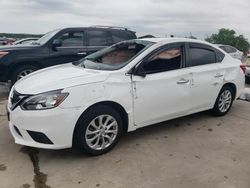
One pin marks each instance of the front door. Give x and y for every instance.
(164, 92)
(73, 48)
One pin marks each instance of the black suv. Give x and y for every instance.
(57, 47)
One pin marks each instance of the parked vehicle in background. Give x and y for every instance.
(248, 69)
(235, 53)
(7, 41)
(57, 47)
(3, 41)
(132, 84)
(25, 41)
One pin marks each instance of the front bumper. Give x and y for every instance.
(3, 74)
(56, 124)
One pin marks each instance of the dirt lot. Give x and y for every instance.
(198, 151)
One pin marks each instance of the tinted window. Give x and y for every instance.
(166, 60)
(223, 48)
(99, 38)
(119, 35)
(72, 39)
(231, 49)
(220, 56)
(201, 56)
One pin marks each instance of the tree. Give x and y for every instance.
(229, 37)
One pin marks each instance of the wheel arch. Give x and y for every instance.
(233, 86)
(20, 64)
(116, 106)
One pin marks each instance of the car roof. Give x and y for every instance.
(99, 27)
(223, 45)
(171, 40)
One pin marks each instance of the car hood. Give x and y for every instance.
(58, 77)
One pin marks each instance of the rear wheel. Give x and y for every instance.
(248, 79)
(21, 72)
(224, 101)
(98, 130)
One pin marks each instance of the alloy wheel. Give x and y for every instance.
(101, 132)
(225, 101)
(24, 73)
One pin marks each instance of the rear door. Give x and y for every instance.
(97, 39)
(119, 35)
(207, 78)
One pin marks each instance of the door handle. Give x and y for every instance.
(81, 53)
(218, 75)
(183, 81)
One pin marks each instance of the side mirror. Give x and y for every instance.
(56, 43)
(137, 72)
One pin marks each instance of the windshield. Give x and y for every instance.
(116, 56)
(46, 37)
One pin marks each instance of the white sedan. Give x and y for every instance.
(89, 104)
(234, 52)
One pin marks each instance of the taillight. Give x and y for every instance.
(243, 68)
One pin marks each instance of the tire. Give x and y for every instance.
(90, 122)
(21, 72)
(247, 79)
(225, 98)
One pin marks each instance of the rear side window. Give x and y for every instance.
(119, 35)
(220, 56)
(201, 56)
(99, 38)
(230, 49)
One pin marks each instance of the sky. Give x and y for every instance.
(157, 17)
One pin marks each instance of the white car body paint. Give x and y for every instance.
(147, 100)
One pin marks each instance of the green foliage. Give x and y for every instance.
(19, 35)
(229, 37)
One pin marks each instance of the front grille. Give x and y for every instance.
(15, 99)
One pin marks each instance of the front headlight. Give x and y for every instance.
(44, 101)
(3, 54)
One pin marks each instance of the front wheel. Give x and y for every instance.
(224, 101)
(98, 130)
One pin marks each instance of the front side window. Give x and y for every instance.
(116, 56)
(201, 56)
(167, 60)
(71, 39)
